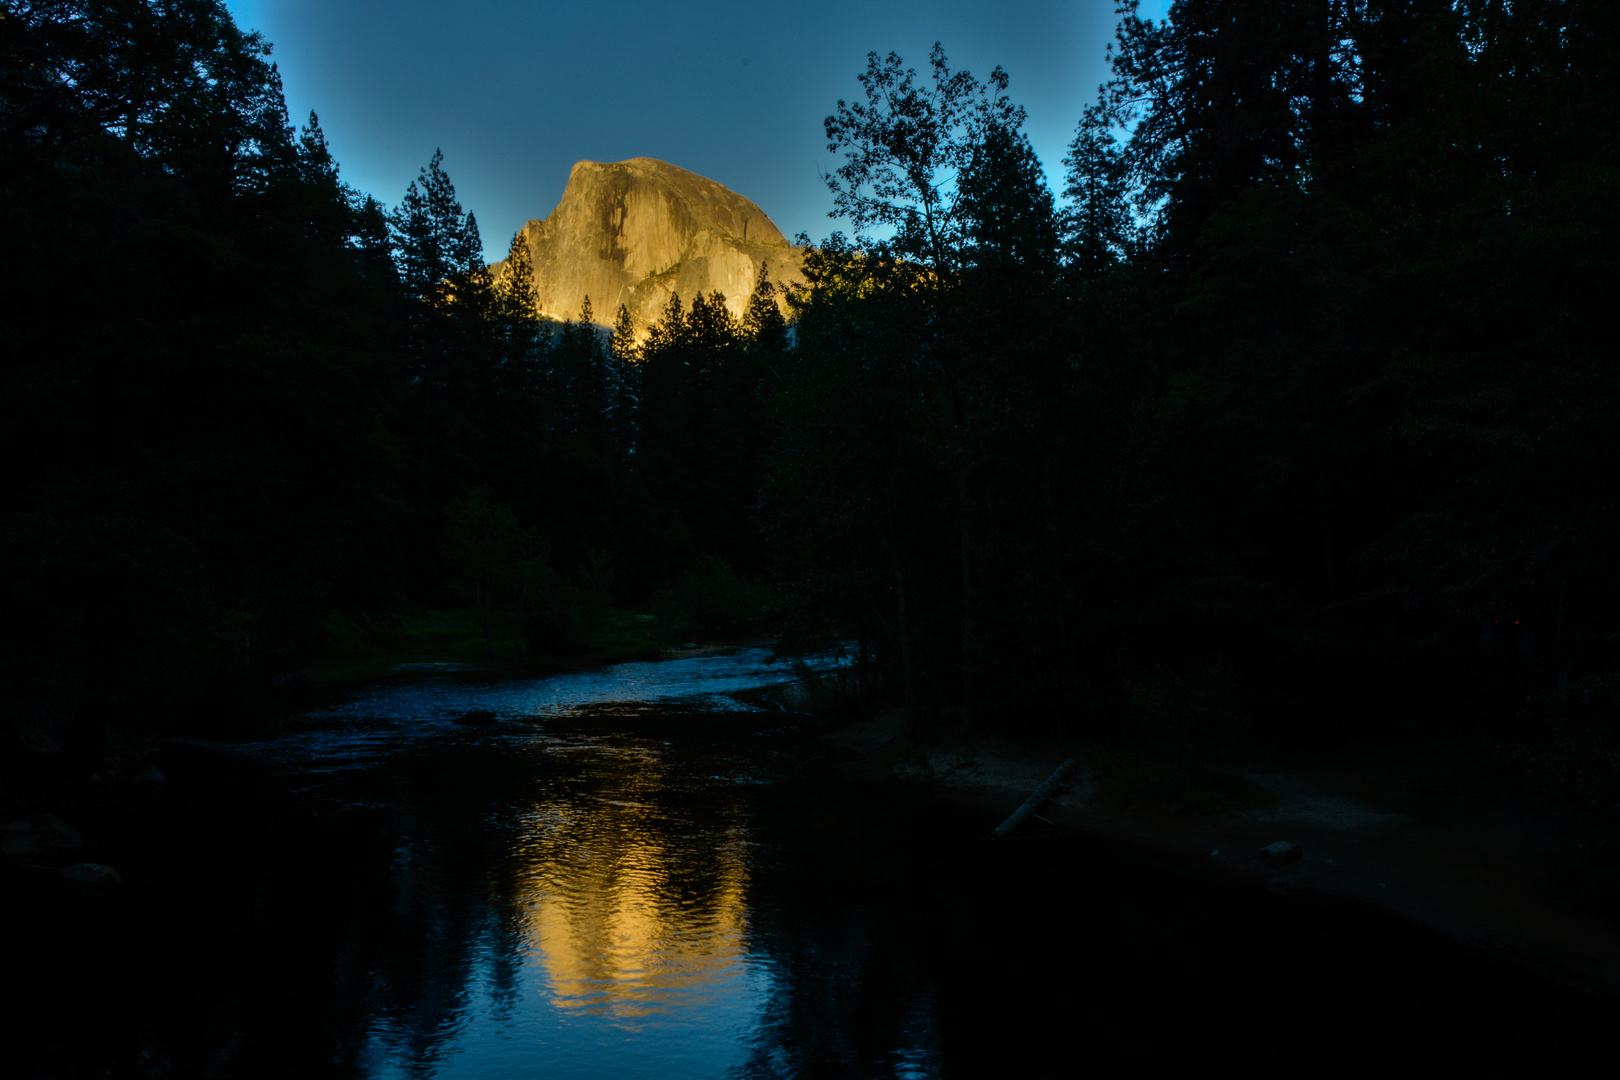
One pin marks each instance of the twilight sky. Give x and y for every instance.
(516, 91)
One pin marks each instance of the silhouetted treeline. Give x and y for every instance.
(240, 397)
(194, 385)
(705, 426)
(1297, 406)
(1290, 403)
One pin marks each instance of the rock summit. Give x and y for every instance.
(636, 232)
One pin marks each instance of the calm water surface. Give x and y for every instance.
(638, 873)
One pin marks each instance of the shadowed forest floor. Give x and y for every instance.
(1426, 829)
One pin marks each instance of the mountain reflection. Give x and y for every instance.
(584, 901)
(624, 908)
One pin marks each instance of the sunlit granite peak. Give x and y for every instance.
(634, 232)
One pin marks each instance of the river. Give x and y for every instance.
(644, 871)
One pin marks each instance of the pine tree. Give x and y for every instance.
(315, 159)
(595, 389)
(373, 243)
(1097, 223)
(624, 357)
(763, 326)
(515, 303)
(1223, 95)
(518, 296)
(1006, 206)
(664, 447)
(623, 345)
(435, 243)
(668, 332)
(473, 291)
(454, 341)
(145, 549)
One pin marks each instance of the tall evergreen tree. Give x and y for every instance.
(200, 463)
(522, 367)
(623, 344)
(1007, 207)
(1097, 224)
(1224, 94)
(436, 244)
(517, 287)
(452, 346)
(947, 167)
(763, 325)
(623, 356)
(314, 155)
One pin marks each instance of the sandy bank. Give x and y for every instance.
(1423, 830)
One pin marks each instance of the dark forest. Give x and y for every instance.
(1277, 429)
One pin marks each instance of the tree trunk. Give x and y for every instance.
(1561, 635)
(1042, 795)
(1324, 512)
(904, 623)
(969, 675)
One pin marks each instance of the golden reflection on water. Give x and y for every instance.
(628, 905)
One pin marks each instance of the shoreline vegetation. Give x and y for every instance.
(454, 639)
(1447, 832)
(71, 789)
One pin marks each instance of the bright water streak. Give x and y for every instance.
(368, 727)
(697, 680)
(618, 939)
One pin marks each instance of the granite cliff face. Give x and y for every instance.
(637, 231)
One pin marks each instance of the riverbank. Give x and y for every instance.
(1428, 829)
(360, 651)
(62, 804)
(628, 875)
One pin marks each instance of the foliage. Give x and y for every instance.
(1098, 225)
(191, 405)
(562, 615)
(436, 244)
(1307, 369)
(484, 546)
(1592, 880)
(712, 600)
(703, 429)
(1576, 763)
(1182, 713)
(1295, 378)
(906, 149)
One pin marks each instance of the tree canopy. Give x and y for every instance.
(1293, 390)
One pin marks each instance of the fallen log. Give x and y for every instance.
(1042, 795)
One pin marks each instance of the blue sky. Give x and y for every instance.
(516, 92)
